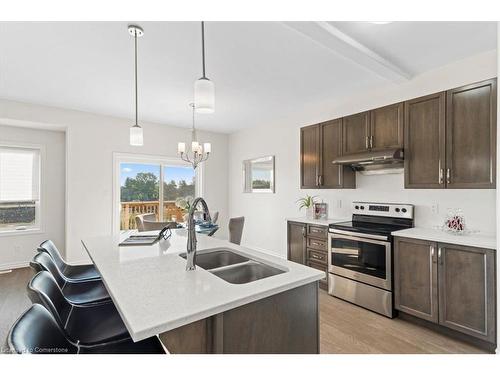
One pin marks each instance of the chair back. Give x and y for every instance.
(139, 220)
(51, 249)
(43, 289)
(44, 262)
(236, 229)
(36, 332)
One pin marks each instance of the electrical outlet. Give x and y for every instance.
(435, 208)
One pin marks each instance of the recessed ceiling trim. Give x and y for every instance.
(342, 44)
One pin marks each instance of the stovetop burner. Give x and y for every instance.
(377, 218)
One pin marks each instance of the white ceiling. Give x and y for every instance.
(261, 70)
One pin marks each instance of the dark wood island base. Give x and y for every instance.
(285, 323)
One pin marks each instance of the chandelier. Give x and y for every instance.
(198, 153)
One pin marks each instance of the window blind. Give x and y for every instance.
(19, 174)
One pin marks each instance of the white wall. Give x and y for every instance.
(17, 249)
(91, 140)
(265, 214)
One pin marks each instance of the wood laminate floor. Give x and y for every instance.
(13, 300)
(344, 328)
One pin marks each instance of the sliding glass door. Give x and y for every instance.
(153, 186)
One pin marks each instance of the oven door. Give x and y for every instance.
(360, 258)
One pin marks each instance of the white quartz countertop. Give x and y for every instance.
(154, 293)
(324, 222)
(484, 240)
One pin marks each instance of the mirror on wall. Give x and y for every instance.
(258, 175)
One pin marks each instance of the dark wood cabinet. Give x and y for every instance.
(449, 141)
(332, 176)
(415, 278)
(467, 290)
(450, 138)
(309, 157)
(471, 136)
(424, 141)
(355, 131)
(308, 244)
(296, 240)
(386, 127)
(320, 144)
(451, 285)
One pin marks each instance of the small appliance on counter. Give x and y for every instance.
(360, 254)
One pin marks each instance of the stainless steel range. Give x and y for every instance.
(360, 254)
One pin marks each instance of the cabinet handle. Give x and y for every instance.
(448, 175)
(320, 180)
(303, 231)
(441, 172)
(439, 256)
(367, 142)
(432, 251)
(371, 141)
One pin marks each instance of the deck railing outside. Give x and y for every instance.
(129, 210)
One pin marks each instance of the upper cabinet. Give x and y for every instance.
(309, 157)
(373, 130)
(471, 136)
(320, 144)
(386, 127)
(449, 141)
(356, 129)
(450, 138)
(424, 142)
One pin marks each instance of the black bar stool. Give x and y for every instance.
(37, 332)
(87, 324)
(78, 293)
(68, 271)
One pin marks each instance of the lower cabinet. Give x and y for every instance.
(296, 240)
(451, 285)
(308, 245)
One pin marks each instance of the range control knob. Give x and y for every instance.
(362, 207)
(356, 207)
(403, 210)
(396, 209)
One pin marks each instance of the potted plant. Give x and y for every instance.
(307, 202)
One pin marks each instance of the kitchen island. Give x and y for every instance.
(199, 311)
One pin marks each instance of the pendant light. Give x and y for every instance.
(198, 153)
(204, 89)
(136, 133)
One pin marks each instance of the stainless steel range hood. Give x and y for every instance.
(374, 162)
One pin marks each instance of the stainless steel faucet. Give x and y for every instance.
(191, 242)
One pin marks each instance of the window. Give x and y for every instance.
(19, 188)
(152, 186)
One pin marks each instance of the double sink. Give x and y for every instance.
(232, 267)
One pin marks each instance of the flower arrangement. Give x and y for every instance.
(455, 222)
(184, 203)
(307, 202)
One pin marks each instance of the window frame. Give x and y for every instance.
(38, 227)
(119, 158)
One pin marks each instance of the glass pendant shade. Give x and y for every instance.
(136, 136)
(204, 96)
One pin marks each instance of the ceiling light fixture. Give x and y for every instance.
(198, 153)
(204, 89)
(136, 133)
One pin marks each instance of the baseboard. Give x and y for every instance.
(12, 266)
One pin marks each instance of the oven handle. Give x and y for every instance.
(360, 236)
